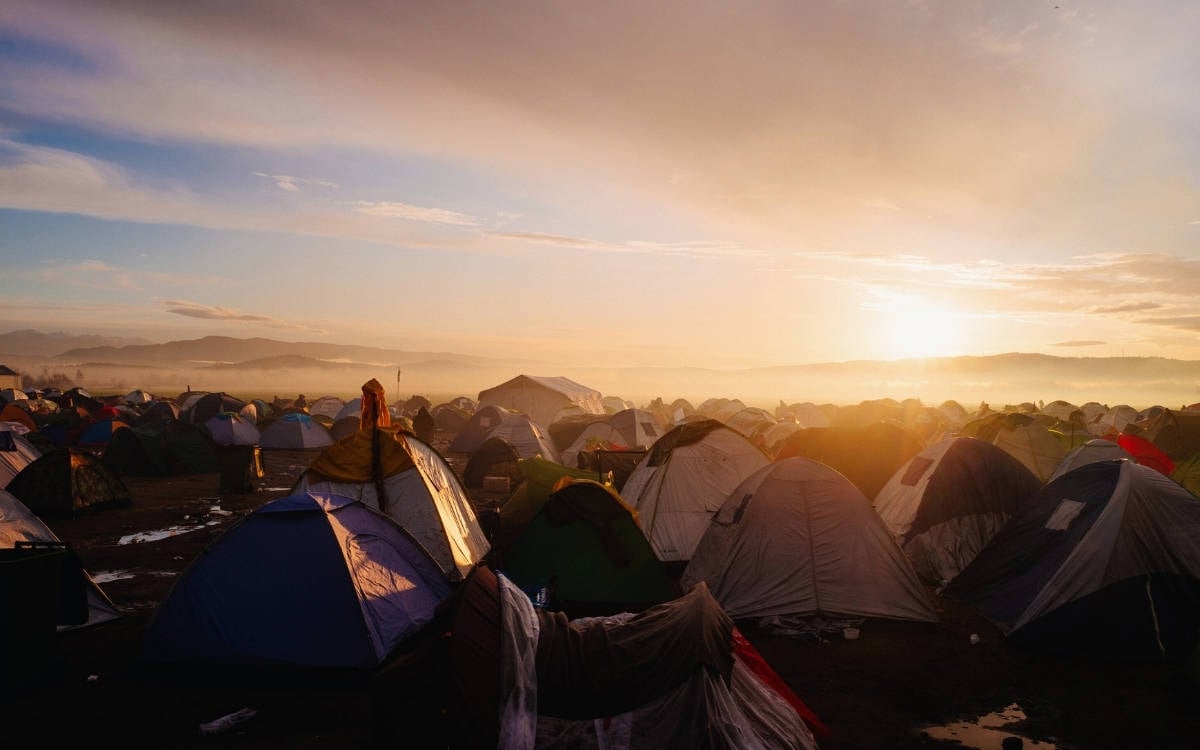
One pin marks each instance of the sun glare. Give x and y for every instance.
(912, 329)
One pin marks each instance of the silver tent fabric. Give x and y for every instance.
(797, 538)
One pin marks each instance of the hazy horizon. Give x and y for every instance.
(1004, 380)
(619, 185)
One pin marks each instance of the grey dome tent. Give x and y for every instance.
(1102, 560)
(949, 500)
(796, 539)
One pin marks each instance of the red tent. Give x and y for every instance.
(1146, 453)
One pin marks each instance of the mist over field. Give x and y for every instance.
(213, 364)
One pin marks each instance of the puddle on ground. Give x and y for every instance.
(276, 489)
(160, 534)
(987, 732)
(108, 576)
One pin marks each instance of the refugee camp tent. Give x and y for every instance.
(18, 524)
(774, 438)
(1103, 561)
(228, 428)
(295, 431)
(539, 478)
(99, 434)
(1114, 420)
(157, 411)
(1060, 410)
(1097, 449)
(542, 397)
(203, 408)
(944, 505)
(401, 475)
(751, 421)
(640, 428)
(65, 482)
(614, 404)
(9, 395)
(16, 452)
(138, 397)
(326, 406)
(310, 581)
(496, 457)
(1175, 433)
(1092, 411)
(684, 480)
(161, 448)
(1024, 438)
(805, 413)
(525, 436)
(1146, 453)
(797, 540)
(450, 418)
(14, 413)
(479, 427)
(584, 546)
(596, 436)
(868, 456)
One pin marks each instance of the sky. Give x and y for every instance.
(701, 184)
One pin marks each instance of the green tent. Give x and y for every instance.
(65, 482)
(586, 549)
(539, 477)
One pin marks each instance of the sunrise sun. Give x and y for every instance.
(911, 328)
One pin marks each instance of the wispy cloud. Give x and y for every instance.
(190, 309)
(691, 249)
(98, 274)
(292, 184)
(1080, 343)
(409, 212)
(1127, 307)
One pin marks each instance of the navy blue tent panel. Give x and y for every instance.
(311, 581)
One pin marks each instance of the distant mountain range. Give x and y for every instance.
(232, 363)
(216, 350)
(30, 343)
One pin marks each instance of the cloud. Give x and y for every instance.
(292, 184)
(216, 312)
(690, 249)
(989, 121)
(1183, 322)
(1081, 343)
(409, 212)
(1127, 307)
(90, 273)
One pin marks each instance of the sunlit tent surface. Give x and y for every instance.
(16, 452)
(310, 581)
(797, 539)
(1103, 559)
(542, 397)
(407, 479)
(1024, 438)
(1090, 452)
(868, 456)
(19, 524)
(950, 499)
(685, 479)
